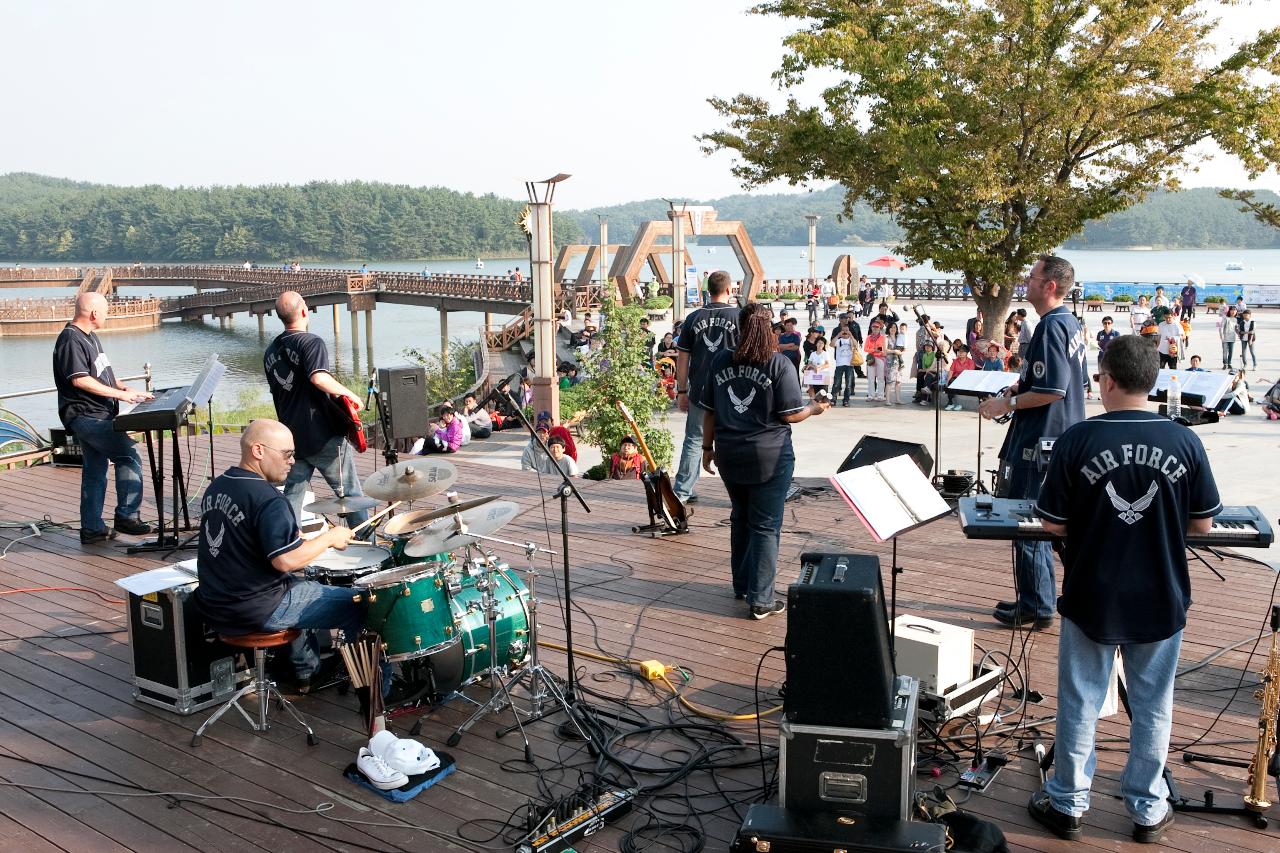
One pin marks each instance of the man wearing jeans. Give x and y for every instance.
(706, 332)
(297, 366)
(250, 547)
(1125, 488)
(89, 398)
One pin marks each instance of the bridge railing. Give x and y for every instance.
(63, 309)
(41, 273)
(462, 286)
(261, 293)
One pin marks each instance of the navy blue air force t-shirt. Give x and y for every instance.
(1125, 483)
(1053, 363)
(244, 523)
(748, 401)
(707, 331)
(78, 353)
(290, 362)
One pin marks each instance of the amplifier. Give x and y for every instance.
(839, 669)
(937, 654)
(873, 448)
(175, 665)
(402, 393)
(870, 772)
(770, 829)
(65, 449)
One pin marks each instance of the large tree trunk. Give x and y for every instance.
(993, 300)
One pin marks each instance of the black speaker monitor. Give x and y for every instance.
(839, 665)
(873, 448)
(402, 391)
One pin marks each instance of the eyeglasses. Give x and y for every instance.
(287, 454)
(1097, 377)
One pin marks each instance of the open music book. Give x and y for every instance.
(981, 383)
(1199, 387)
(890, 497)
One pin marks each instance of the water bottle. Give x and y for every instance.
(1175, 397)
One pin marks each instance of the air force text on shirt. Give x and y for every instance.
(223, 504)
(744, 371)
(715, 320)
(1134, 454)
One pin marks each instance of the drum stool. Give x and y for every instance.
(260, 684)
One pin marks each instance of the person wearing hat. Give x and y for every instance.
(532, 452)
(627, 463)
(1188, 297)
(561, 432)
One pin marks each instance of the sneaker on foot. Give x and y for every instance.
(759, 612)
(1144, 834)
(132, 526)
(379, 774)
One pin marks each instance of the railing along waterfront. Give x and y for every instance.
(64, 309)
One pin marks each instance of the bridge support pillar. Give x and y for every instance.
(368, 340)
(444, 342)
(222, 322)
(262, 325)
(355, 333)
(337, 329)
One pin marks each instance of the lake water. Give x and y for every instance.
(176, 350)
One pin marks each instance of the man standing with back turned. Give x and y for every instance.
(297, 366)
(707, 331)
(1048, 399)
(1125, 488)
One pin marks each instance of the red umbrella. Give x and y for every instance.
(887, 261)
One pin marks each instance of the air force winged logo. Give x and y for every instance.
(1131, 512)
(713, 345)
(741, 404)
(286, 382)
(215, 542)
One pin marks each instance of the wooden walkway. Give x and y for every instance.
(68, 724)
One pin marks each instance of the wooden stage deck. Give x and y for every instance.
(67, 719)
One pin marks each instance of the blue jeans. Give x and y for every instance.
(101, 443)
(1033, 561)
(308, 604)
(338, 469)
(755, 524)
(1084, 671)
(690, 453)
(844, 379)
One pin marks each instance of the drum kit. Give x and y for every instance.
(445, 608)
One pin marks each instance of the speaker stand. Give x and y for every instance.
(894, 571)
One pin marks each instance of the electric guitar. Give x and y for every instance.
(346, 414)
(661, 495)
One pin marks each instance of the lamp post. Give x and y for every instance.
(677, 261)
(546, 392)
(604, 254)
(812, 219)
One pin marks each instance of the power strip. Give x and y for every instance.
(980, 778)
(557, 837)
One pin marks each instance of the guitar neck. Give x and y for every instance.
(644, 447)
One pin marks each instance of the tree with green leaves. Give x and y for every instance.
(993, 130)
(1264, 212)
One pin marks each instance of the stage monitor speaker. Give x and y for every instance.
(873, 448)
(839, 665)
(402, 390)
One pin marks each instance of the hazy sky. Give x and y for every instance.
(476, 96)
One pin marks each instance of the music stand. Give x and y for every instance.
(981, 384)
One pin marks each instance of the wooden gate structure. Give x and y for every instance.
(626, 269)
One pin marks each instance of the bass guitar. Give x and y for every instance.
(666, 512)
(348, 416)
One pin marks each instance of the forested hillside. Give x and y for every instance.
(49, 219)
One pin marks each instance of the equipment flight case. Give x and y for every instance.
(771, 829)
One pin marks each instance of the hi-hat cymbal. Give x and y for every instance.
(341, 506)
(444, 534)
(412, 522)
(411, 480)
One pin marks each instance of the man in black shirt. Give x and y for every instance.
(1125, 488)
(707, 331)
(250, 547)
(89, 398)
(297, 367)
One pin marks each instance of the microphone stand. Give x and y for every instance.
(563, 491)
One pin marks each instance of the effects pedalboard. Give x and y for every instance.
(552, 837)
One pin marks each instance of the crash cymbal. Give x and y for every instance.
(410, 480)
(341, 506)
(412, 522)
(443, 534)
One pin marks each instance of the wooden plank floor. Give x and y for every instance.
(68, 724)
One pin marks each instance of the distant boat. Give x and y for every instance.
(1234, 266)
(479, 264)
(711, 250)
(803, 253)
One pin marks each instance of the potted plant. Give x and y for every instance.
(1122, 298)
(790, 299)
(658, 307)
(1095, 297)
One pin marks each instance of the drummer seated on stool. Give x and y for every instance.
(250, 548)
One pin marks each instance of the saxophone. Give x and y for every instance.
(1256, 799)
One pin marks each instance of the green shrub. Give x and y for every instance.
(1123, 297)
(1209, 299)
(1095, 297)
(599, 471)
(657, 303)
(790, 296)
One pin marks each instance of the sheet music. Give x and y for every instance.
(165, 577)
(982, 381)
(890, 496)
(1209, 384)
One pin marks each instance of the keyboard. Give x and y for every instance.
(169, 410)
(985, 517)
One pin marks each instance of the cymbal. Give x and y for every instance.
(443, 534)
(411, 480)
(341, 506)
(412, 522)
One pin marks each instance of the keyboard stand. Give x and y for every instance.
(166, 540)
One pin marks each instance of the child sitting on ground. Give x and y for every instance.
(626, 464)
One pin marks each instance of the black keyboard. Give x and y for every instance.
(1006, 518)
(169, 410)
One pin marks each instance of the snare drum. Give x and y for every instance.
(466, 662)
(344, 568)
(408, 606)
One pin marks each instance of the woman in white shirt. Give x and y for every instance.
(1169, 345)
(820, 367)
(1139, 314)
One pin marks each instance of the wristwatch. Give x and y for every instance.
(682, 390)
(1013, 403)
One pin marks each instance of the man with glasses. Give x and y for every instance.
(1125, 488)
(297, 367)
(250, 548)
(1048, 399)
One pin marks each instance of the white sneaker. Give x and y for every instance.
(378, 773)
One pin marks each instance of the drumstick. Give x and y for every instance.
(371, 519)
